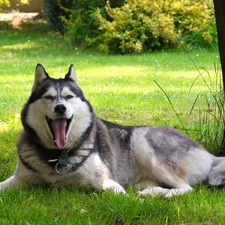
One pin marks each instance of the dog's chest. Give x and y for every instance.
(70, 160)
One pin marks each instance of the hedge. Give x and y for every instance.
(133, 26)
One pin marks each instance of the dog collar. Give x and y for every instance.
(65, 163)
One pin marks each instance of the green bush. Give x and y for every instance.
(148, 25)
(57, 12)
(82, 28)
(76, 19)
(83, 24)
(119, 26)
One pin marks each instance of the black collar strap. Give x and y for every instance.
(65, 162)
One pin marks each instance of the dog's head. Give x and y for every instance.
(56, 111)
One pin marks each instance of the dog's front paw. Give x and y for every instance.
(12, 182)
(113, 185)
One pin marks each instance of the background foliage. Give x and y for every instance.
(76, 19)
(4, 2)
(57, 13)
(83, 24)
(133, 25)
(7, 2)
(145, 25)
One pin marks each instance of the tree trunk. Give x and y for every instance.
(219, 9)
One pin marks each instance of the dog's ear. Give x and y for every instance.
(71, 75)
(40, 76)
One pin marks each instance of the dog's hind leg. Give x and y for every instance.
(147, 187)
(157, 190)
(145, 184)
(178, 183)
(178, 191)
(153, 191)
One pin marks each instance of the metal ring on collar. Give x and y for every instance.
(61, 173)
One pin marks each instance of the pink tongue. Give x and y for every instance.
(59, 129)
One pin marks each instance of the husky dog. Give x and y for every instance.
(63, 143)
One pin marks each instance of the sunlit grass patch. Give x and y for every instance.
(3, 127)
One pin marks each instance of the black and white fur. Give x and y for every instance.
(63, 143)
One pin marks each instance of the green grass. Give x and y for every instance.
(121, 89)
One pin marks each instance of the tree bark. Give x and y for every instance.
(219, 9)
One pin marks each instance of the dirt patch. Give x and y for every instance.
(17, 18)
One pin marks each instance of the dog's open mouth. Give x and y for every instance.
(59, 128)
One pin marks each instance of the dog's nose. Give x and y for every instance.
(60, 109)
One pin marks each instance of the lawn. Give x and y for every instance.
(123, 89)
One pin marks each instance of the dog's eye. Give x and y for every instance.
(49, 97)
(69, 96)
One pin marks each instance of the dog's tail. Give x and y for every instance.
(217, 173)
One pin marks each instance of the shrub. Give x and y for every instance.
(75, 19)
(148, 25)
(57, 13)
(82, 28)
(194, 21)
(83, 24)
